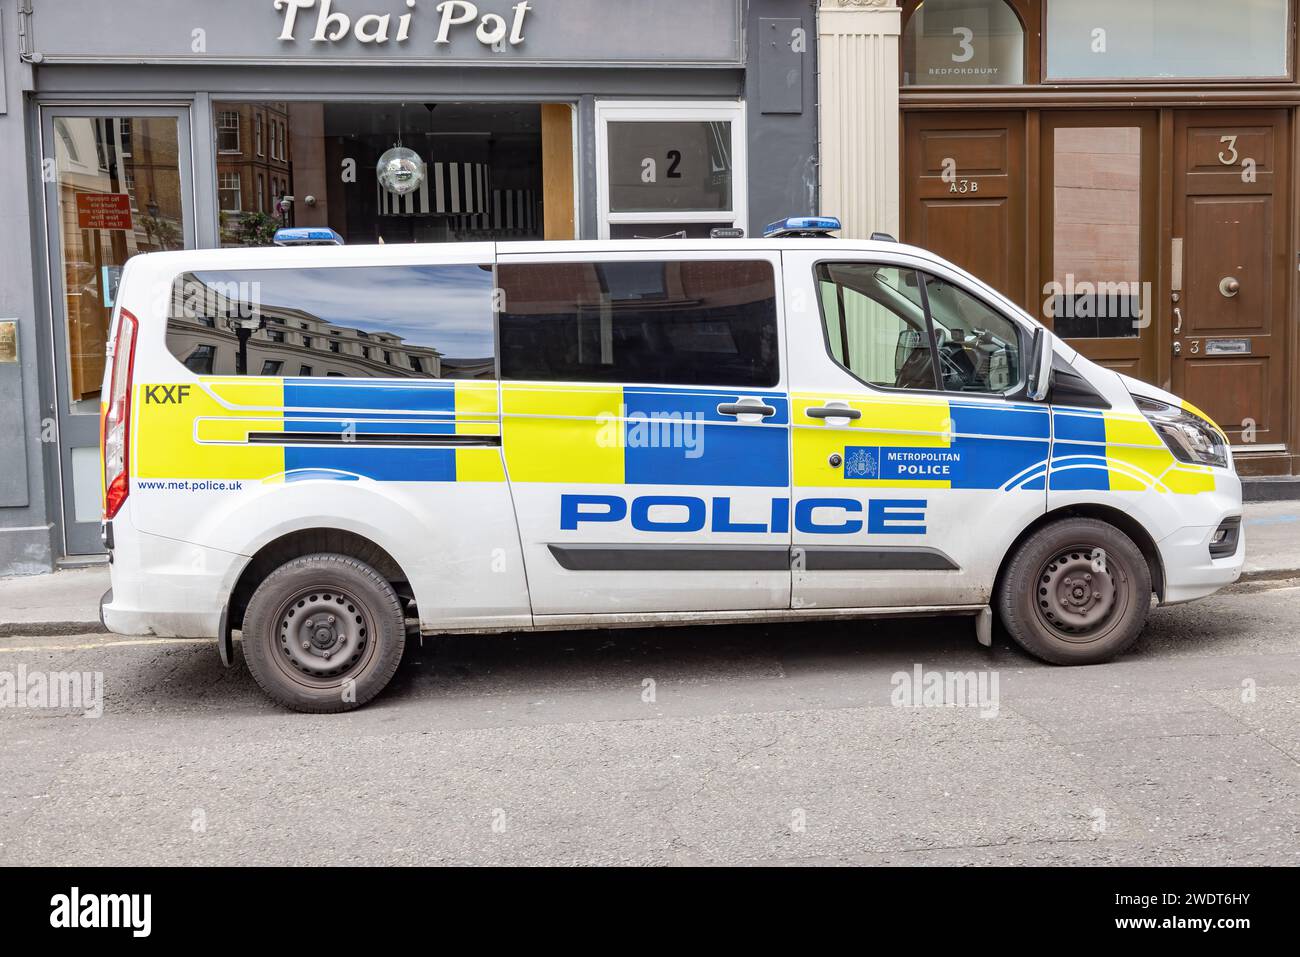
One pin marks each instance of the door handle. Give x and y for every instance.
(1178, 321)
(744, 408)
(831, 412)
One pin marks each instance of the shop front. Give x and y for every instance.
(388, 121)
(1125, 170)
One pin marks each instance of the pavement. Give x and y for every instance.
(67, 602)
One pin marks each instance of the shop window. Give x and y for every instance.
(227, 131)
(670, 171)
(963, 43)
(653, 322)
(118, 188)
(438, 317)
(1166, 39)
(483, 175)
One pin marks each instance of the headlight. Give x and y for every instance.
(1191, 438)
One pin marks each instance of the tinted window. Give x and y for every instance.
(433, 322)
(670, 322)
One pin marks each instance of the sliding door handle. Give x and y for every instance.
(746, 408)
(831, 412)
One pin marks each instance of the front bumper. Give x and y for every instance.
(1191, 572)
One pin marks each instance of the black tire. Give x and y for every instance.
(323, 633)
(1077, 592)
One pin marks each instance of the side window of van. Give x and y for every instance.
(685, 322)
(875, 324)
(979, 348)
(879, 323)
(398, 322)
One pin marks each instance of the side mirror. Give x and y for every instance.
(1040, 365)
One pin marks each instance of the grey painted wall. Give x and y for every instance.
(782, 145)
(25, 462)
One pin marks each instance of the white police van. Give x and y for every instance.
(323, 448)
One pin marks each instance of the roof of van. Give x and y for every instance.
(250, 257)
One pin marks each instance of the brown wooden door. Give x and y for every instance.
(1099, 234)
(965, 193)
(1231, 202)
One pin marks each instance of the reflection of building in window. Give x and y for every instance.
(200, 359)
(202, 333)
(229, 192)
(228, 131)
(138, 158)
(243, 168)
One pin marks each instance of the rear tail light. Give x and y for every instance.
(115, 429)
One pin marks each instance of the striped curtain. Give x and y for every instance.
(449, 189)
(513, 212)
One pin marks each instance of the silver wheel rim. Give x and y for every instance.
(323, 636)
(1077, 597)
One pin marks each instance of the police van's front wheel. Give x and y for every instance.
(323, 633)
(1076, 593)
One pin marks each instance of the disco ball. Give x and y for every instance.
(400, 170)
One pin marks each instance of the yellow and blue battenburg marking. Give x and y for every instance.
(616, 435)
(271, 429)
(294, 429)
(1118, 452)
(923, 442)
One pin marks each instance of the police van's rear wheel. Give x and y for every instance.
(323, 633)
(1076, 593)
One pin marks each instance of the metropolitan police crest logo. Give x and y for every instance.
(861, 463)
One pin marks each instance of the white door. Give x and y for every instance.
(916, 461)
(646, 429)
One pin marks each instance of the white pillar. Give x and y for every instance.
(857, 53)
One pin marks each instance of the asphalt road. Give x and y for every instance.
(771, 744)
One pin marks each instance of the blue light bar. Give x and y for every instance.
(307, 236)
(801, 226)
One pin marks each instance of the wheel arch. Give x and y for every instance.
(309, 541)
(1104, 513)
